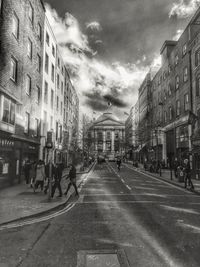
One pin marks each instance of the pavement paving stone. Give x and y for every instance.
(20, 201)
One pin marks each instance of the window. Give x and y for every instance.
(8, 111)
(57, 103)
(58, 81)
(116, 135)
(184, 49)
(46, 92)
(15, 26)
(170, 113)
(169, 90)
(46, 63)
(186, 102)
(197, 85)
(177, 82)
(64, 114)
(36, 127)
(176, 59)
(62, 71)
(51, 122)
(178, 107)
(99, 135)
(52, 98)
(108, 135)
(197, 58)
(13, 69)
(53, 50)
(31, 13)
(28, 85)
(29, 49)
(52, 73)
(27, 123)
(58, 62)
(62, 87)
(38, 95)
(39, 32)
(39, 63)
(185, 74)
(47, 38)
(44, 122)
(61, 108)
(165, 116)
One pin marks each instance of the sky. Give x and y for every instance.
(110, 45)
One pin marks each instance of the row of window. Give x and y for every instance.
(169, 114)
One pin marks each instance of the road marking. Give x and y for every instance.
(128, 187)
(162, 181)
(123, 181)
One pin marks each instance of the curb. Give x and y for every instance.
(167, 181)
(45, 212)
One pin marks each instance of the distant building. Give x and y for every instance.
(107, 135)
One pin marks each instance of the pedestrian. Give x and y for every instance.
(119, 163)
(176, 165)
(47, 175)
(40, 175)
(187, 171)
(27, 168)
(57, 179)
(72, 178)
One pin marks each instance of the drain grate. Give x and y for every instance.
(102, 258)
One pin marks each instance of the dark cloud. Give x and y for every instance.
(100, 102)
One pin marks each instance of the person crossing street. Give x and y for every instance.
(72, 178)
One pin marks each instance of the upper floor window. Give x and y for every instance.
(197, 58)
(184, 49)
(52, 98)
(31, 13)
(57, 103)
(13, 69)
(52, 73)
(197, 85)
(39, 32)
(176, 59)
(8, 111)
(46, 92)
(62, 86)
(29, 49)
(27, 123)
(28, 85)
(58, 81)
(53, 50)
(58, 62)
(46, 63)
(186, 102)
(169, 90)
(39, 63)
(170, 113)
(185, 74)
(38, 95)
(108, 135)
(47, 38)
(61, 108)
(15, 26)
(177, 82)
(165, 116)
(36, 127)
(178, 107)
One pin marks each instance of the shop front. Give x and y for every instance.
(7, 160)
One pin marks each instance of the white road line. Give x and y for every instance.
(157, 179)
(123, 181)
(139, 194)
(128, 187)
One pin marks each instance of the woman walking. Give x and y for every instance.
(40, 175)
(72, 178)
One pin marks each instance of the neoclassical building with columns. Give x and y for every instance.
(107, 136)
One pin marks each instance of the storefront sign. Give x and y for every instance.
(6, 143)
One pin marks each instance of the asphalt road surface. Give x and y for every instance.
(142, 220)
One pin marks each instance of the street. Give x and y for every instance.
(143, 220)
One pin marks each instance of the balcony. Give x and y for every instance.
(6, 127)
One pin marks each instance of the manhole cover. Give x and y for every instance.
(99, 260)
(102, 258)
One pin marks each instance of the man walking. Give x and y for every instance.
(57, 180)
(72, 178)
(187, 170)
(119, 163)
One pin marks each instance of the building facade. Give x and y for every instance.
(107, 135)
(21, 34)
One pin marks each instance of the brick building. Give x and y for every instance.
(21, 56)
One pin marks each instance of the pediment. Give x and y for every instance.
(109, 122)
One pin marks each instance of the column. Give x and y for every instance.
(113, 141)
(104, 141)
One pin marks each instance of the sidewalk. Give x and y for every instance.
(166, 176)
(20, 201)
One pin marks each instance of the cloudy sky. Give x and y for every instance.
(110, 45)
